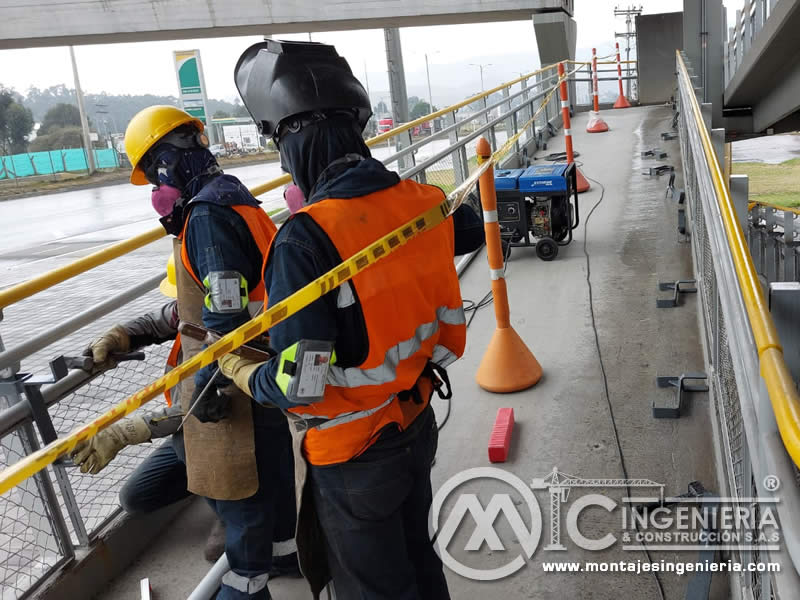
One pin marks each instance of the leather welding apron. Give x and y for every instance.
(220, 457)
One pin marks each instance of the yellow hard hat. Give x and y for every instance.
(149, 126)
(168, 285)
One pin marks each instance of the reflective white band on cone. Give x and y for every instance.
(490, 216)
(496, 274)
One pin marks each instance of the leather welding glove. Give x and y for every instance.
(239, 370)
(94, 454)
(115, 339)
(213, 406)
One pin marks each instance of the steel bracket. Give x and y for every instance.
(658, 171)
(668, 135)
(673, 411)
(654, 153)
(677, 287)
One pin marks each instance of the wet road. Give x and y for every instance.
(68, 225)
(773, 149)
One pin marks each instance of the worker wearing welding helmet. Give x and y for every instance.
(365, 434)
(238, 453)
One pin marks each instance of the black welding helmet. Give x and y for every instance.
(279, 79)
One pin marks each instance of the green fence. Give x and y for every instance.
(55, 161)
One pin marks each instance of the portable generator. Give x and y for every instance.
(537, 206)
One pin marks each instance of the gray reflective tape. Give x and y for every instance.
(346, 297)
(353, 377)
(442, 356)
(354, 416)
(565, 104)
(284, 548)
(247, 585)
(451, 316)
(490, 216)
(567, 132)
(496, 274)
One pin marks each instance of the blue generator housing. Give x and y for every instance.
(537, 206)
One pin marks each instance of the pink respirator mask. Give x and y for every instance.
(164, 198)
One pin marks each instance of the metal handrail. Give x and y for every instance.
(47, 280)
(781, 388)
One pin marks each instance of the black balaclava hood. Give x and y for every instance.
(307, 153)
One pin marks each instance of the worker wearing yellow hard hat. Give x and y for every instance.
(168, 285)
(237, 453)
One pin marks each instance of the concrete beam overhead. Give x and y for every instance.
(66, 22)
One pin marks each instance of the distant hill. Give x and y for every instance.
(120, 109)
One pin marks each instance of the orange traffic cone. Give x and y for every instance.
(582, 184)
(508, 365)
(622, 101)
(596, 123)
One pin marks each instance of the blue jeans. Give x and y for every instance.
(251, 524)
(160, 480)
(374, 513)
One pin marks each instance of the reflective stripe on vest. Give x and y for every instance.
(387, 372)
(412, 307)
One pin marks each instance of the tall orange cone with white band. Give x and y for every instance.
(622, 101)
(596, 123)
(583, 183)
(508, 365)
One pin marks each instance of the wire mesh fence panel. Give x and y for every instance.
(97, 495)
(29, 549)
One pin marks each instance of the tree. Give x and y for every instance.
(19, 123)
(381, 108)
(60, 138)
(421, 109)
(61, 115)
(221, 114)
(413, 101)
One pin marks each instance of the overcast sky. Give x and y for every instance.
(147, 67)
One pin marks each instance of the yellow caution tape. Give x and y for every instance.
(33, 463)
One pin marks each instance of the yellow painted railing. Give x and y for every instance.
(781, 388)
(47, 280)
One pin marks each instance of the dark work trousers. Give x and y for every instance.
(374, 512)
(251, 524)
(158, 481)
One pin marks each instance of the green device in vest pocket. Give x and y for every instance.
(303, 370)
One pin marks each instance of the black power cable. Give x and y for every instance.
(659, 585)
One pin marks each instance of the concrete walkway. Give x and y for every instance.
(565, 421)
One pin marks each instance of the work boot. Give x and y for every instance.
(215, 544)
(285, 566)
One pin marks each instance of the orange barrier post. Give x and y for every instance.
(583, 183)
(596, 123)
(508, 365)
(622, 101)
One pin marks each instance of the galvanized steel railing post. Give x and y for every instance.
(740, 185)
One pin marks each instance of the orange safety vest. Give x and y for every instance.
(413, 311)
(263, 230)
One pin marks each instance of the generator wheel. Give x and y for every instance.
(546, 249)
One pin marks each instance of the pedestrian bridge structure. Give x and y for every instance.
(622, 339)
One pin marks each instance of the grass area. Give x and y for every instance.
(777, 184)
(445, 178)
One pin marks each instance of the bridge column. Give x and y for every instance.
(397, 75)
(556, 38)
